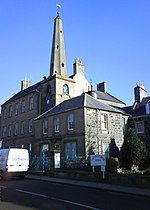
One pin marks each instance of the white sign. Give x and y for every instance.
(57, 160)
(98, 160)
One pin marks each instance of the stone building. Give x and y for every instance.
(81, 126)
(140, 116)
(19, 111)
(63, 113)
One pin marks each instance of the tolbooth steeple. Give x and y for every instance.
(58, 57)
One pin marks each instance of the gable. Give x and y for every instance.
(83, 100)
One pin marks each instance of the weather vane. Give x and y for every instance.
(58, 8)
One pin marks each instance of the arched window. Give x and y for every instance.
(65, 89)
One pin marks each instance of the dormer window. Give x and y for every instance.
(65, 89)
(147, 106)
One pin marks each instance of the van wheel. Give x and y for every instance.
(2, 175)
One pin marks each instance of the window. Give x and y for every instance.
(147, 106)
(139, 126)
(5, 113)
(30, 125)
(104, 121)
(9, 130)
(65, 89)
(62, 64)
(4, 132)
(70, 150)
(30, 103)
(70, 122)
(123, 123)
(56, 124)
(23, 106)
(10, 111)
(16, 108)
(44, 150)
(45, 126)
(16, 129)
(105, 149)
(22, 131)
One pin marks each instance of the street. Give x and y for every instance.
(39, 195)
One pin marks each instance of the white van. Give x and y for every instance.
(14, 162)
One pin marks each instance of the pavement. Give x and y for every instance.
(96, 185)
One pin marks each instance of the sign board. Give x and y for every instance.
(103, 168)
(98, 160)
(57, 160)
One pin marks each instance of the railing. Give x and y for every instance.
(47, 163)
(39, 164)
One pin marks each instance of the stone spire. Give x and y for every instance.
(58, 58)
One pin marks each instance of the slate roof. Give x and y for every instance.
(127, 109)
(135, 112)
(83, 100)
(24, 92)
(108, 97)
(139, 109)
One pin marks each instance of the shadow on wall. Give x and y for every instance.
(114, 151)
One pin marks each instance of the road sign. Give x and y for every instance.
(98, 160)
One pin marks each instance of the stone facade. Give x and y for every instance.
(64, 135)
(43, 99)
(140, 116)
(24, 139)
(145, 135)
(24, 116)
(99, 140)
(88, 134)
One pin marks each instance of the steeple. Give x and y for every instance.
(58, 58)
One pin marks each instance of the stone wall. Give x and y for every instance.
(144, 137)
(96, 138)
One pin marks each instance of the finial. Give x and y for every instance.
(58, 8)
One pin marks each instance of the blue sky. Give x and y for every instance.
(111, 37)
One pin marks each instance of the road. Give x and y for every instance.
(39, 195)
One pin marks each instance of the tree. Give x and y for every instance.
(132, 150)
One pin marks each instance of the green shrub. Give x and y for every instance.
(112, 164)
(132, 150)
(147, 171)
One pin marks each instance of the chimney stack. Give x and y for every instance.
(102, 87)
(92, 92)
(78, 67)
(25, 84)
(139, 92)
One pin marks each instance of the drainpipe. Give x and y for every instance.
(97, 129)
(39, 101)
